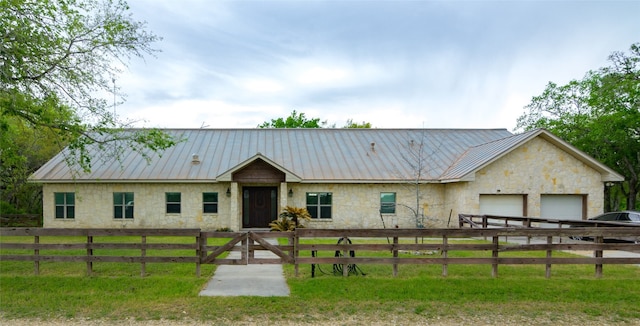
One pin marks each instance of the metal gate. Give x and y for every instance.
(244, 248)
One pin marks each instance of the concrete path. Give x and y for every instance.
(248, 280)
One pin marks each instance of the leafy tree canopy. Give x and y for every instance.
(24, 150)
(295, 120)
(599, 114)
(56, 57)
(299, 120)
(350, 124)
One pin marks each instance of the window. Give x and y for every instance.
(388, 202)
(173, 202)
(209, 202)
(65, 204)
(319, 204)
(122, 205)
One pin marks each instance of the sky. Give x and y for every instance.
(395, 64)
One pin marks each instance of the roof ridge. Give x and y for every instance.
(508, 137)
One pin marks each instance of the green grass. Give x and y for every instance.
(170, 291)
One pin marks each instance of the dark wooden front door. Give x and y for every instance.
(259, 206)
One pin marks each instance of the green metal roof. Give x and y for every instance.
(305, 155)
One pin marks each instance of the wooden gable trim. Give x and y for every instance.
(258, 171)
(230, 175)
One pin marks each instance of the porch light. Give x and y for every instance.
(290, 192)
(228, 192)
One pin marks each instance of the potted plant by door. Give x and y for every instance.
(290, 219)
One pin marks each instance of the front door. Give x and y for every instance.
(259, 206)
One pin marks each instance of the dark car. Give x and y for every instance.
(619, 217)
(624, 216)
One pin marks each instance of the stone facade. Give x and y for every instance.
(94, 206)
(534, 169)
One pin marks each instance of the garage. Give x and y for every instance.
(503, 205)
(568, 207)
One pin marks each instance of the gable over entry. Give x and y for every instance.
(259, 204)
(259, 171)
(260, 187)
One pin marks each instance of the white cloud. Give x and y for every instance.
(394, 64)
(262, 85)
(202, 113)
(319, 75)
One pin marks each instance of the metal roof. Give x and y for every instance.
(479, 156)
(308, 155)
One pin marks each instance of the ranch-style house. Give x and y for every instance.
(347, 178)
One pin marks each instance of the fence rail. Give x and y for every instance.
(62, 246)
(489, 221)
(373, 246)
(443, 241)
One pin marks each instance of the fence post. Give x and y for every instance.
(345, 253)
(548, 266)
(395, 256)
(143, 254)
(89, 255)
(494, 255)
(296, 251)
(199, 247)
(36, 252)
(244, 253)
(445, 254)
(506, 225)
(598, 254)
(485, 224)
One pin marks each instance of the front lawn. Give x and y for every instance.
(418, 294)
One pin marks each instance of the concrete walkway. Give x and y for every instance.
(248, 280)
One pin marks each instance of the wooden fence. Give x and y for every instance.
(369, 246)
(443, 242)
(63, 245)
(246, 244)
(496, 221)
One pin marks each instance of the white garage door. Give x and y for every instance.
(502, 205)
(568, 207)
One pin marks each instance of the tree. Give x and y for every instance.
(354, 125)
(295, 120)
(600, 115)
(57, 55)
(418, 157)
(299, 120)
(24, 150)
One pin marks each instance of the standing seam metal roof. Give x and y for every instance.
(315, 155)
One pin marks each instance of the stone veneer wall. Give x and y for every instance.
(358, 205)
(535, 168)
(94, 206)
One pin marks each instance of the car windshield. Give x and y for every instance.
(607, 217)
(634, 217)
